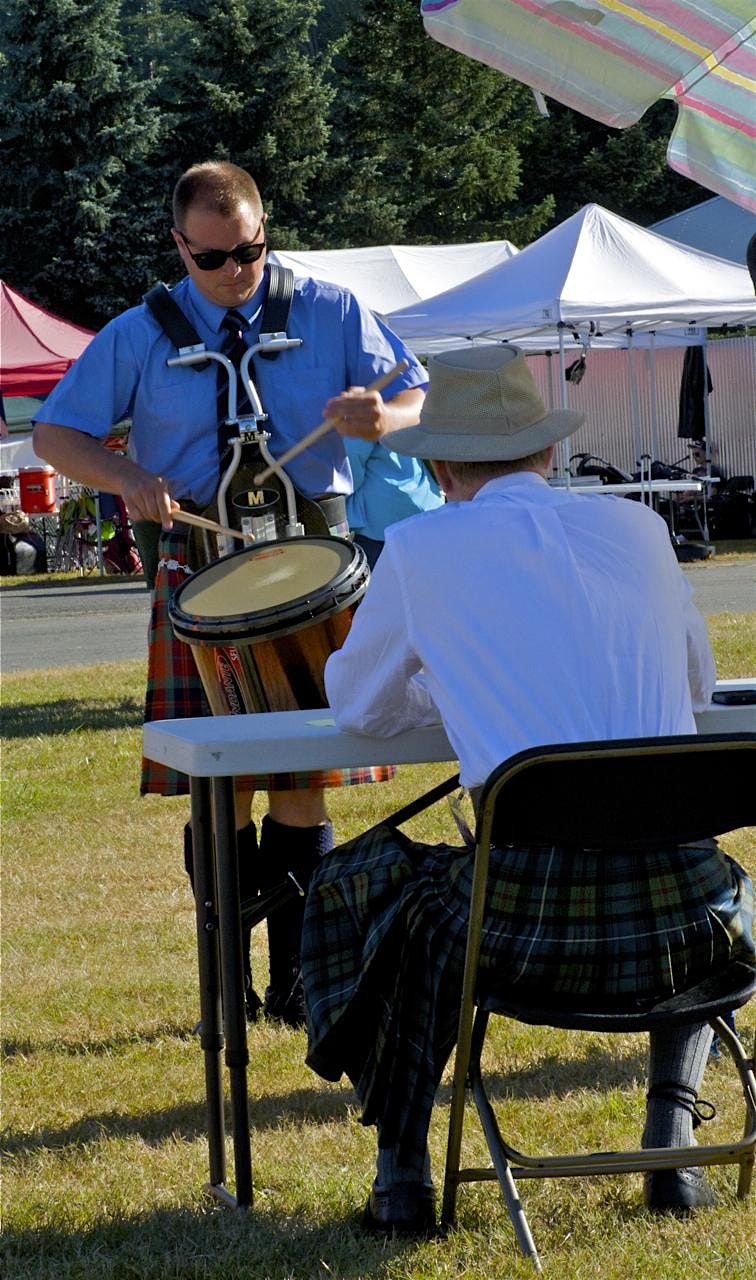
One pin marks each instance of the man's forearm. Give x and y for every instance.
(702, 672)
(403, 410)
(80, 457)
(86, 460)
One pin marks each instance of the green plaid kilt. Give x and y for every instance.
(174, 691)
(384, 944)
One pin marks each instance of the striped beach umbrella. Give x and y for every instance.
(611, 59)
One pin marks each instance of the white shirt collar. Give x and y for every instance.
(515, 480)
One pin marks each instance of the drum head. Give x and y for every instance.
(269, 590)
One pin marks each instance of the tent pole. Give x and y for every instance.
(549, 365)
(654, 402)
(564, 447)
(707, 433)
(634, 413)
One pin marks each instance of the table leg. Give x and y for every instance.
(232, 978)
(211, 1038)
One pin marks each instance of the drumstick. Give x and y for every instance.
(202, 522)
(326, 425)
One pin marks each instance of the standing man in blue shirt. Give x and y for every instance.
(173, 459)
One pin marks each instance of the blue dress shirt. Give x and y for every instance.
(123, 374)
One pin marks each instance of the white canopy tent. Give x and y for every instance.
(596, 273)
(716, 226)
(18, 452)
(386, 277)
(595, 279)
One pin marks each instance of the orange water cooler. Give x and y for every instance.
(37, 490)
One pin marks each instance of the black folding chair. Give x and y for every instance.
(630, 794)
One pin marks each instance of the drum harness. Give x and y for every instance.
(247, 432)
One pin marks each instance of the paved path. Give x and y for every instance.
(98, 620)
(723, 588)
(101, 620)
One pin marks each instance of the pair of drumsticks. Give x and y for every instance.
(326, 425)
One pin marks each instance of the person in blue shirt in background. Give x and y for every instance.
(387, 488)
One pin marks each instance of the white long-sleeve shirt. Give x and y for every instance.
(529, 615)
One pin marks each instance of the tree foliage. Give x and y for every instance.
(581, 162)
(250, 89)
(426, 144)
(74, 120)
(358, 127)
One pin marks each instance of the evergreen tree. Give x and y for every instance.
(74, 121)
(159, 39)
(582, 161)
(426, 143)
(251, 90)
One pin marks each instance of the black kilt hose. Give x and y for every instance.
(384, 939)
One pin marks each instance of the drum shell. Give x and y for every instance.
(272, 660)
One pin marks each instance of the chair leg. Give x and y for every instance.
(498, 1156)
(467, 1029)
(745, 1068)
(454, 1142)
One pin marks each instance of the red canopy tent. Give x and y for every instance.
(36, 348)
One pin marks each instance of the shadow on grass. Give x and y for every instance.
(92, 1048)
(70, 715)
(212, 1243)
(186, 1122)
(554, 1077)
(550, 1078)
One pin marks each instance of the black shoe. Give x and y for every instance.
(679, 1191)
(405, 1209)
(286, 1005)
(252, 1003)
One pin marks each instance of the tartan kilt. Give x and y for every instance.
(174, 691)
(384, 940)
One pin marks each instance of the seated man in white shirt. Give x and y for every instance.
(518, 614)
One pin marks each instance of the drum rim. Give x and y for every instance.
(349, 585)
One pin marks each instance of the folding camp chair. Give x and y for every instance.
(632, 794)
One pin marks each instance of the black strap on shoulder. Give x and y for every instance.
(182, 333)
(275, 316)
(173, 322)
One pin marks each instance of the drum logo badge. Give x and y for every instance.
(229, 671)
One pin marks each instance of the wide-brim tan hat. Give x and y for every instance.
(482, 406)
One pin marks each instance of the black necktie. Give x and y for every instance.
(234, 347)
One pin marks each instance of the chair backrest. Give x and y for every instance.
(737, 484)
(630, 793)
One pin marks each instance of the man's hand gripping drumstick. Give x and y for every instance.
(202, 522)
(356, 412)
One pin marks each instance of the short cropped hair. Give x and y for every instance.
(217, 187)
(467, 472)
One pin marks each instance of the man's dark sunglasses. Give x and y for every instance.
(212, 259)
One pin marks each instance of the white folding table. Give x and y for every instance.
(213, 750)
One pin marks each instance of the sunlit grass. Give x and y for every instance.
(104, 1127)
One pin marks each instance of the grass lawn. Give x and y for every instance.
(105, 1153)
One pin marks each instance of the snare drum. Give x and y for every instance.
(263, 621)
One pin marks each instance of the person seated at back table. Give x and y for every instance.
(701, 470)
(518, 614)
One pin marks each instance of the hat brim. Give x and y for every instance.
(460, 440)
